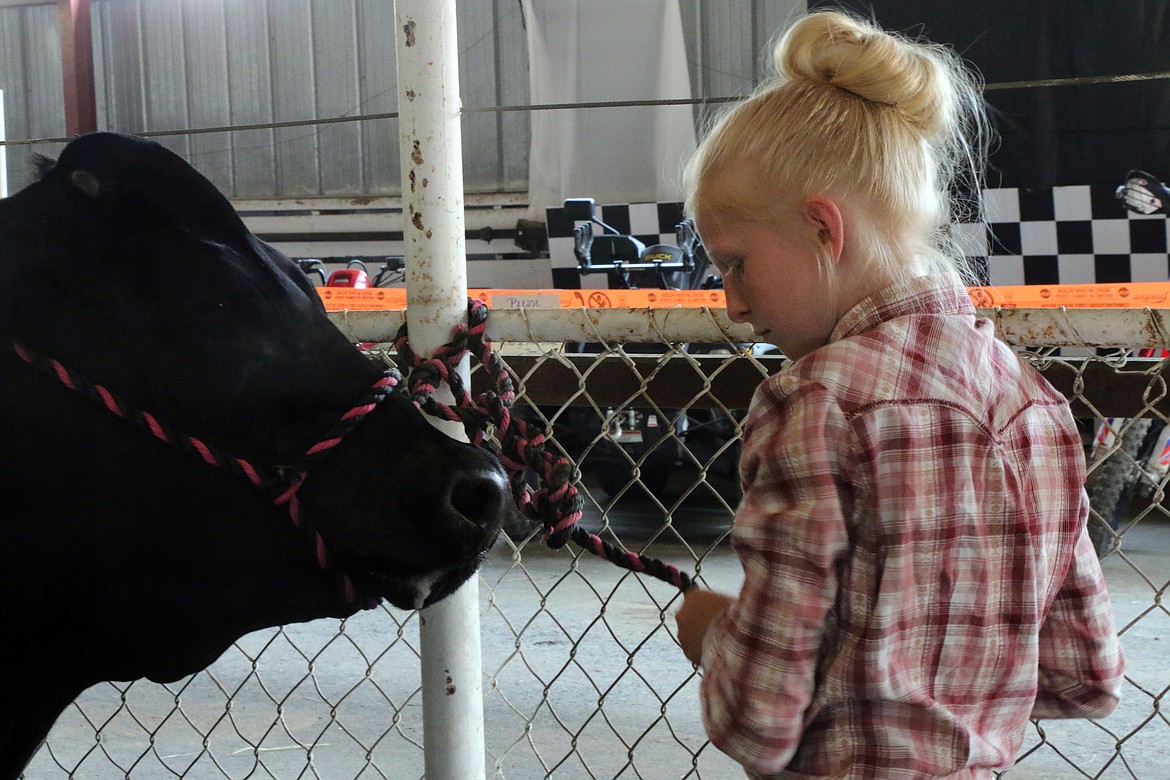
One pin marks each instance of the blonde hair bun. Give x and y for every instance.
(892, 125)
(883, 68)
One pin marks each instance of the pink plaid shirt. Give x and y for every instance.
(918, 580)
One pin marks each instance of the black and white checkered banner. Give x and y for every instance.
(1077, 234)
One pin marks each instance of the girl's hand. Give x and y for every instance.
(700, 608)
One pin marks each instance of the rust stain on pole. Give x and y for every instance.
(416, 153)
(77, 66)
(417, 221)
(408, 28)
(1151, 330)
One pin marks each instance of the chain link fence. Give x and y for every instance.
(582, 675)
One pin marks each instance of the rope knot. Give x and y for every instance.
(289, 481)
(557, 505)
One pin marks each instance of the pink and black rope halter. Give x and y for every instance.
(557, 505)
(281, 483)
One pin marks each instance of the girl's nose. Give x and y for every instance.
(737, 308)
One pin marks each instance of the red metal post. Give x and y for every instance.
(77, 67)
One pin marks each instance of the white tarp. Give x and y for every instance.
(607, 50)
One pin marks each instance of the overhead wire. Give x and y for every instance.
(1002, 85)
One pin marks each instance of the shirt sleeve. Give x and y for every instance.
(760, 660)
(1081, 660)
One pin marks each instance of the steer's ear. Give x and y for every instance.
(87, 182)
(43, 164)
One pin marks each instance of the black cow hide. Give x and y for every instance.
(123, 556)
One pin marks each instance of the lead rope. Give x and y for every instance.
(557, 505)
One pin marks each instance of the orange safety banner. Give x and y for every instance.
(601, 299)
(362, 298)
(1135, 295)
(1128, 295)
(388, 298)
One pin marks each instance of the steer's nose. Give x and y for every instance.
(481, 497)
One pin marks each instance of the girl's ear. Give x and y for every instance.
(824, 216)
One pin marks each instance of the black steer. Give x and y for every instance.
(122, 556)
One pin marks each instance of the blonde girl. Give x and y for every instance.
(917, 578)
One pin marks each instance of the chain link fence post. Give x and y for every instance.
(431, 150)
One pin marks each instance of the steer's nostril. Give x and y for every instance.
(478, 499)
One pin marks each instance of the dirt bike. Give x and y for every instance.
(655, 441)
(355, 273)
(1136, 451)
(1142, 193)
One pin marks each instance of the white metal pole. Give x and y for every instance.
(3, 152)
(436, 282)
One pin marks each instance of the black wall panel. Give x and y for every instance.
(1057, 135)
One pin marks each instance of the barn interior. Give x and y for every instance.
(295, 110)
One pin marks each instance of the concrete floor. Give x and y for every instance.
(561, 632)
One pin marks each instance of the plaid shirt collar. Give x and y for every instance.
(939, 294)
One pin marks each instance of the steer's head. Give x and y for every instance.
(156, 289)
(396, 465)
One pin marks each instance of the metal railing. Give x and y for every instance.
(582, 675)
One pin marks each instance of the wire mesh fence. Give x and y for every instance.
(582, 675)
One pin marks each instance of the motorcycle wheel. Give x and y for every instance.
(1111, 484)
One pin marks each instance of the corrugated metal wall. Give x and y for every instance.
(30, 75)
(729, 43)
(178, 64)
